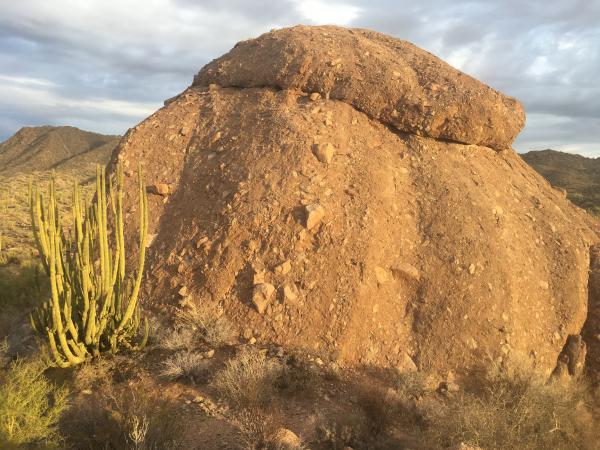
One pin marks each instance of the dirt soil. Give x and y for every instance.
(347, 193)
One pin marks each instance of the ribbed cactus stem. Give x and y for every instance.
(89, 310)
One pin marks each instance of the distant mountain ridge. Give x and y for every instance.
(580, 176)
(61, 148)
(30, 155)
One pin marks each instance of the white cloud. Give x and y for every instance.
(322, 12)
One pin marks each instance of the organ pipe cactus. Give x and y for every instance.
(93, 305)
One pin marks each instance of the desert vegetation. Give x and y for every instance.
(30, 405)
(92, 308)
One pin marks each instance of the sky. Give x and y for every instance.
(105, 65)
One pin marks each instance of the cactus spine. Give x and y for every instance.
(93, 306)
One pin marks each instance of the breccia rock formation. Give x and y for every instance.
(389, 80)
(373, 187)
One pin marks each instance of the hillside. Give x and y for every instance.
(65, 149)
(580, 176)
(31, 154)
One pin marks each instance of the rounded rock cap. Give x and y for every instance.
(388, 79)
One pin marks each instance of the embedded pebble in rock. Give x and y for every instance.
(324, 152)
(150, 239)
(381, 275)
(283, 268)
(259, 277)
(261, 296)
(406, 364)
(314, 215)
(159, 189)
(290, 293)
(201, 242)
(407, 271)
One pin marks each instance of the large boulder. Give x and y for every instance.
(389, 80)
(420, 235)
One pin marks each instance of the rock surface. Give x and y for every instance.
(463, 235)
(388, 79)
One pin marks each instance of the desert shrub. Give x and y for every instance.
(516, 410)
(94, 374)
(255, 427)
(298, 377)
(30, 406)
(196, 326)
(133, 419)
(179, 339)
(349, 430)
(412, 385)
(248, 379)
(208, 325)
(378, 408)
(184, 364)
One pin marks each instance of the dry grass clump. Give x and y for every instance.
(248, 379)
(184, 364)
(30, 406)
(179, 339)
(349, 430)
(516, 410)
(255, 428)
(197, 326)
(132, 419)
(378, 408)
(94, 374)
(208, 323)
(412, 385)
(298, 378)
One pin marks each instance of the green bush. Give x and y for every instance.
(30, 406)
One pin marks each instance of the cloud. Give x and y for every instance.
(105, 64)
(319, 12)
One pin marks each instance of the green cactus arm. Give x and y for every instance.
(66, 349)
(81, 255)
(37, 223)
(142, 253)
(60, 362)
